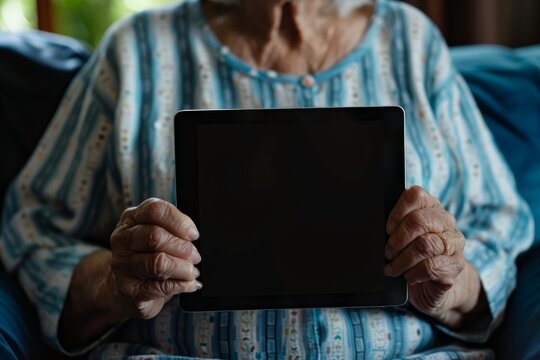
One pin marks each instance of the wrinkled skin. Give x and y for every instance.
(441, 282)
(152, 257)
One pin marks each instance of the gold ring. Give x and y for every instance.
(446, 243)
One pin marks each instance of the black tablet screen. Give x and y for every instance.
(292, 207)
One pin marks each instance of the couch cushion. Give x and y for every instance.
(35, 69)
(519, 336)
(506, 86)
(19, 329)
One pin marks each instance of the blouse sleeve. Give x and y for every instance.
(495, 220)
(51, 208)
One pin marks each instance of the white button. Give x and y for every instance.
(225, 50)
(308, 81)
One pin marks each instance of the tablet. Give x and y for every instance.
(291, 205)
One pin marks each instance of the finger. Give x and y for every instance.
(131, 289)
(161, 213)
(157, 266)
(459, 242)
(423, 247)
(151, 289)
(412, 199)
(126, 218)
(415, 224)
(151, 238)
(455, 240)
(439, 269)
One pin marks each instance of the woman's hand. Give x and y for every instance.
(427, 249)
(152, 257)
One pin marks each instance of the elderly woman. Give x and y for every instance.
(91, 229)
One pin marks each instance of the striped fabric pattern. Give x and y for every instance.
(110, 147)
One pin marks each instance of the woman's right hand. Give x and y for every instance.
(153, 258)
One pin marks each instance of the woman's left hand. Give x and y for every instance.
(427, 249)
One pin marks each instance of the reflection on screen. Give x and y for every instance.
(291, 208)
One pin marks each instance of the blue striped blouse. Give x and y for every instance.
(110, 145)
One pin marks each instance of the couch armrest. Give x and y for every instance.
(35, 70)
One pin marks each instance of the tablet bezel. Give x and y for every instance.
(185, 132)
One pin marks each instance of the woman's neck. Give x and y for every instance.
(287, 36)
(281, 18)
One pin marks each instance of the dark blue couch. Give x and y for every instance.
(506, 86)
(35, 69)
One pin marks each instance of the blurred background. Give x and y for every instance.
(85, 20)
(506, 22)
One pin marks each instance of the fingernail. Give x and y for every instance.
(198, 257)
(197, 273)
(391, 227)
(387, 270)
(193, 233)
(198, 285)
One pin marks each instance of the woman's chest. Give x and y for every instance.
(144, 140)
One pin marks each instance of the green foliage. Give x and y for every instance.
(85, 20)
(17, 14)
(88, 20)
